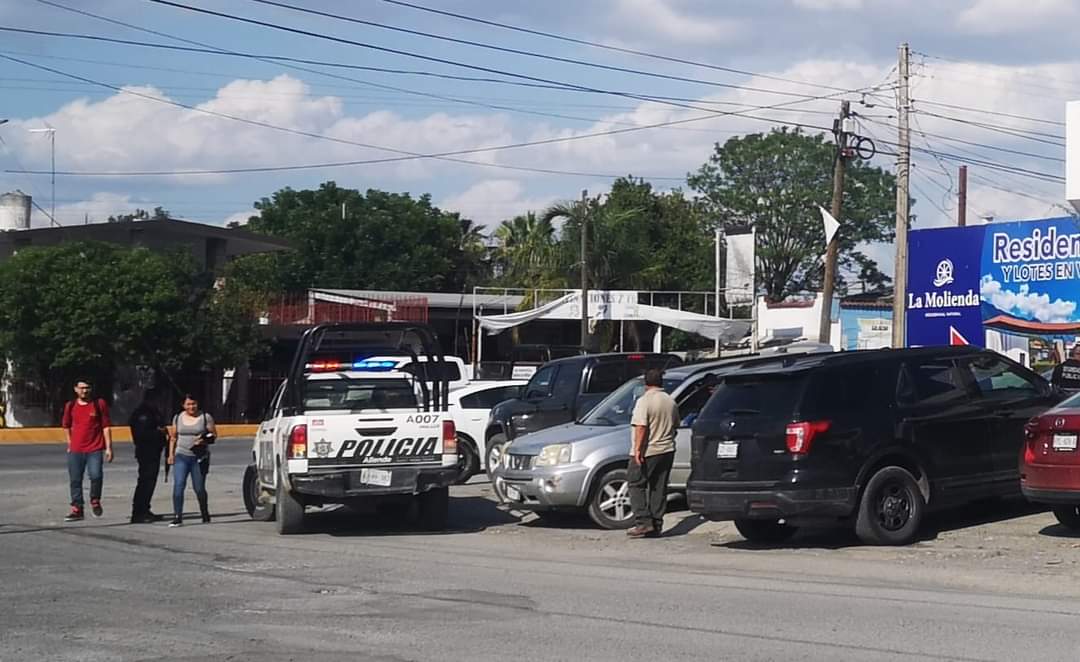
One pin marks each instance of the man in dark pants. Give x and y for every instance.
(654, 424)
(148, 437)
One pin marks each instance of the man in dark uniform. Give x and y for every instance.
(148, 437)
(1066, 375)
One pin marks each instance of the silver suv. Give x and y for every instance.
(582, 465)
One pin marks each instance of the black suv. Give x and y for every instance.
(873, 438)
(564, 390)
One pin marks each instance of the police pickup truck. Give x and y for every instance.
(348, 429)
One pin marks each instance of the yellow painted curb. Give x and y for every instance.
(119, 434)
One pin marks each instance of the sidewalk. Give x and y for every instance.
(119, 434)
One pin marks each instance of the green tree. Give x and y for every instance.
(85, 308)
(775, 183)
(525, 253)
(159, 214)
(347, 239)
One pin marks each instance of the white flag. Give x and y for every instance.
(831, 225)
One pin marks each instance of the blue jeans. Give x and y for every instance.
(186, 465)
(80, 463)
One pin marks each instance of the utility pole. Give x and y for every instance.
(52, 150)
(585, 270)
(825, 330)
(903, 201)
(716, 300)
(961, 208)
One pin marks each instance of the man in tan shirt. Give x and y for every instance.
(654, 422)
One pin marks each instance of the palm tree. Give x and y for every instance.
(524, 249)
(473, 265)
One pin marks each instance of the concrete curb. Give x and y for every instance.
(119, 434)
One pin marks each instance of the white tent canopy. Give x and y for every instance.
(621, 305)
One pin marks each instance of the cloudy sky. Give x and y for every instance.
(991, 78)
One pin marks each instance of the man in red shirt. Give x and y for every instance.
(89, 442)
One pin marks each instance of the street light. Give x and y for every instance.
(52, 148)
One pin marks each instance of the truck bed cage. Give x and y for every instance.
(385, 337)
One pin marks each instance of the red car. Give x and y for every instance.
(1050, 462)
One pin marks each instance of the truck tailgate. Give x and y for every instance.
(376, 439)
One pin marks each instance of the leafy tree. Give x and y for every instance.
(85, 308)
(159, 214)
(775, 183)
(348, 239)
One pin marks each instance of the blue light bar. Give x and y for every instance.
(374, 366)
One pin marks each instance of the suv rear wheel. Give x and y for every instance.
(1069, 516)
(891, 509)
(609, 505)
(765, 531)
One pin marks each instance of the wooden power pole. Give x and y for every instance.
(961, 208)
(585, 270)
(903, 201)
(833, 248)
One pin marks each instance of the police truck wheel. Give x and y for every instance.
(434, 509)
(256, 500)
(468, 459)
(495, 447)
(290, 511)
(891, 509)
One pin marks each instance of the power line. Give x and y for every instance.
(608, 47)
(961, 141)
(1027, 73)
(522, 52)
(407, 155)
(286, 62)
(1016, 132)
(991, 112)
(428, 58)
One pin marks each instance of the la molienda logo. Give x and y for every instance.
(943, 276)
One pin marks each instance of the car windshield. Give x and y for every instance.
(616, 408)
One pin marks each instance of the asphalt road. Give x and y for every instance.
(996, 584)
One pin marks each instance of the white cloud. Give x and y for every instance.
(660, 19)
(240, 217)
(99, 135)
(1008, 16)
(97, 209)
(1027, 304)
(828, 5)
(492, 201)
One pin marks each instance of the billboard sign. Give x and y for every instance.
(1013, 287)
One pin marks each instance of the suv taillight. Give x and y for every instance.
(799, 436)
(297, 448)
(449, 437)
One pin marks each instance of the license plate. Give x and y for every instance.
(378, 477)
(1064, 442)
(727, 450)
(512, 493)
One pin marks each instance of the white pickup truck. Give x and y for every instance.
(355, 431)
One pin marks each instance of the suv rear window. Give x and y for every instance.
(773, 396)
(358, 394)
(446, 370)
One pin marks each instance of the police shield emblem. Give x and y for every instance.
(322, 448)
